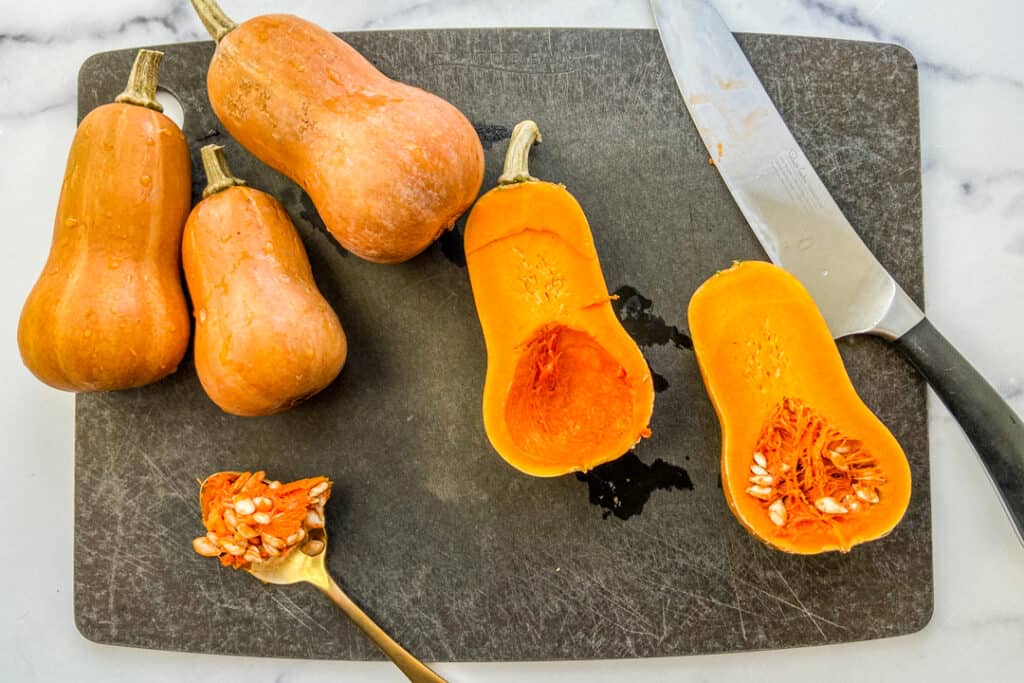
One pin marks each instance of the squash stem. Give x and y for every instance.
(141, 88)
(218, 174)
(216, 22)
(517, 159)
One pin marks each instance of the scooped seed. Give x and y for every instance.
(313, 547)
(205, 547)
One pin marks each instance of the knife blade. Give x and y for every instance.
(803, 230)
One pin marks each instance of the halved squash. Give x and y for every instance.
(567, 388)
(806, 466)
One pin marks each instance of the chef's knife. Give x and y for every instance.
(804, 231)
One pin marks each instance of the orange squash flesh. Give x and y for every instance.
(266, 339)
(806, 466)
(567, 388)
(108, 311)
(388, 166)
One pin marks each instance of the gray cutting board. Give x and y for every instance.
(456, 554)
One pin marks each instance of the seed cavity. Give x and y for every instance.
(809, 474)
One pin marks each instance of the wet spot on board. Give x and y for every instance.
(660, 383)
(208, 135)
(634, 311)
(622, 487)
(489, 134)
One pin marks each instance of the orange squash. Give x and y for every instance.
(108, 311)
(806, 466)
(388, 166)
(567, 388)
(266, 339)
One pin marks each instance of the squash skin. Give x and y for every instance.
(533, 268)
(388, 166)
(759, 337)
(108, 311)
(266, 339)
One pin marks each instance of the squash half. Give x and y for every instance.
(567, 388)
(806, 466)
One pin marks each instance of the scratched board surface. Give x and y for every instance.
(452, 551)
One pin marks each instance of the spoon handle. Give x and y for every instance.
(415, 670)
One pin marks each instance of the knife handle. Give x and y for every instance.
(994, 430)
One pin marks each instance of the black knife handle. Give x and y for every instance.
(993, 428)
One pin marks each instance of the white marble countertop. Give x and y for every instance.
(972, 96)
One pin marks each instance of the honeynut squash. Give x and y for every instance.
(388, 166)
(806, 466)
(108, 311)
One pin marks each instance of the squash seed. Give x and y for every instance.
(261, 518)
(205, 547)
(867, 495)
(762, 492)
(245, 506)
(313, 520)
(777, 512)
(246, 531)
(233, 548)
(313, 547)
(829, 506)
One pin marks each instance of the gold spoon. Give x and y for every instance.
(297, 566)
